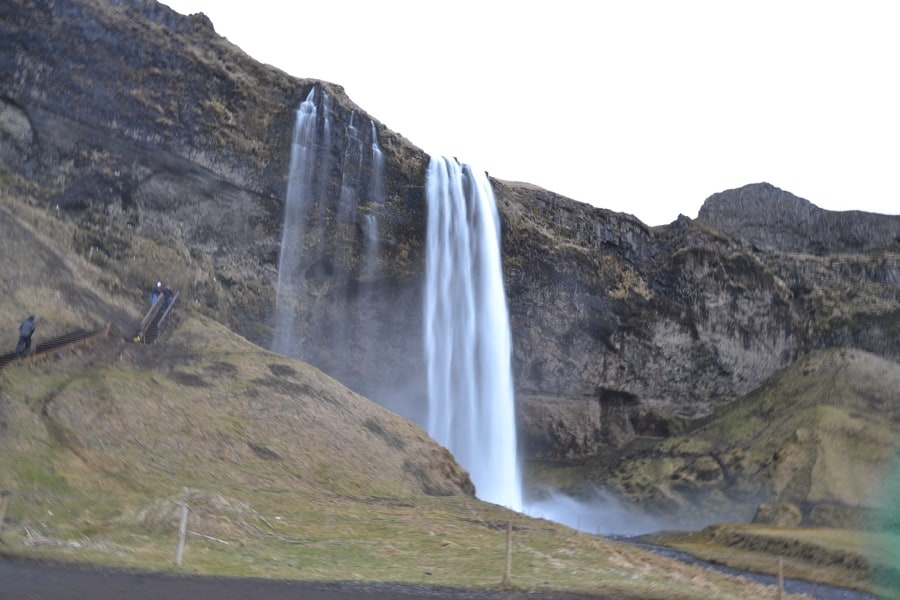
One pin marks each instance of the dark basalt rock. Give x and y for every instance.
(774, 219)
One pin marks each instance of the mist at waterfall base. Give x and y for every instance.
(597, 512)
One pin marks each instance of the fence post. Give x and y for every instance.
(780, 577)
(182, 532)
(4, 502)
(507, 580)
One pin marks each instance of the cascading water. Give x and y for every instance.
(471, 406)
(298, 197)
(376, 182)
(351, 172)
(316, 225)
(370, 222)
(467, 340)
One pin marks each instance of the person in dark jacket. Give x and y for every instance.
(26, 330)
(155, 294)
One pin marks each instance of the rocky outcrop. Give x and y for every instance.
(774, 219)
(782, 514)
(168, 147)
(842, 268)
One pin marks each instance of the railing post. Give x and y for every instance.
(182, 532)
(780, 577)
(4, 502)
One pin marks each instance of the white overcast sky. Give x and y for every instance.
(640, 106)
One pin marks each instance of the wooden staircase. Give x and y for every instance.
(155, 319)
(56, 345)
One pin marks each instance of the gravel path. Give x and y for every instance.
(32, 580)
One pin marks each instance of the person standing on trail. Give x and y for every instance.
(157, 291)
(26, 329)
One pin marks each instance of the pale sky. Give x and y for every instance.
(639, 106)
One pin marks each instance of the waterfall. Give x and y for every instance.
(330, 243)
(372, 244)
(471, 407)
(351, 172)
(376, 183)
(298, 197)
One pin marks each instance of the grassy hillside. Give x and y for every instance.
(286, 472)
(817, 444)
(821, 431)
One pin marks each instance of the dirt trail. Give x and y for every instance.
(31, 580)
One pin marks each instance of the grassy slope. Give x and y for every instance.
(823, 433)
(822, 430)
(287, 473)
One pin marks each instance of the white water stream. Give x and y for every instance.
(307, 206)
(298, 197)
(471, 405)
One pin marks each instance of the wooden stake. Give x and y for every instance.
(780, 577)
(507, 581)
(4, 502)
(182, 532)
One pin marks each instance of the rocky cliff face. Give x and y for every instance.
(645, 327)
(842, 268)
(169, 148)
(649, 326)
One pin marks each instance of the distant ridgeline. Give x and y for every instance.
(774, 219)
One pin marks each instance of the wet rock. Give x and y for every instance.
(781, 513)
